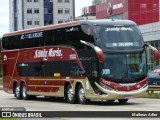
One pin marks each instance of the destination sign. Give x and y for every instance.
(122, 44)
(118, 29)
(32, 35)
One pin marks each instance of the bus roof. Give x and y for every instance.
(108, 22)
(73, 23)
(49, 27)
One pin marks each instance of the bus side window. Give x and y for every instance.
(86, 29)
(59, 37)
(5, 43)
(41, 42)
(36, 42)
(16, 42)
(30, 42)
(86, 34)
(72, 36)
(49, 37)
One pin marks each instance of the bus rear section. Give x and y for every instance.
(79, 61)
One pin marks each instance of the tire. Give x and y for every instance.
(81, 95)
(25, 96)
(17, 92)
(122, 100)
(70, 97)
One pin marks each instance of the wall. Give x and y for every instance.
(64, 17)
(90, 10)
(32, 17)
(143, 11)
(140, 11)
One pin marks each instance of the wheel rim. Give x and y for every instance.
(70, 94)
(24, 92)
(81, 94)
(17, 91)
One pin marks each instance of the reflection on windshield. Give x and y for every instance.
(115, 38)
(124, 66)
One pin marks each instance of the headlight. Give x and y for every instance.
(105, 87)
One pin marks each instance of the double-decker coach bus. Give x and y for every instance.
(80, 61)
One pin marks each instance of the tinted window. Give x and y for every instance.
(48, 68)
(72, 36)
(5, 43)
(119, 38)
(59, 36)
(62, 36)
(50, 39)
(10, 42)
(32, 40)
(86, 33)
(55, 37)
(23, 41)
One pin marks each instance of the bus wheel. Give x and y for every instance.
(69, 95)
(122, 100)
(81, 95)
(17, 92)
(24, 92)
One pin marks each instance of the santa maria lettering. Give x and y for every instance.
(48, 53)
(118, 29)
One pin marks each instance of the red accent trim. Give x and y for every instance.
(119, 87)
(42, 89)
(156, 54)
(101, 56)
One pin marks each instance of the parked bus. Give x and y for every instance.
(80, 61)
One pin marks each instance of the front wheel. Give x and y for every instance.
(123, 100)
(81, 95)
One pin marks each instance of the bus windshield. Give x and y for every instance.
(118, 37)
(124, 67)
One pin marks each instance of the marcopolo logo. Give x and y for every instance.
(111, 7)
(73, 29)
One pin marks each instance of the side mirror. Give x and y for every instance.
(156, 53)
(99, 54)
(96, 49)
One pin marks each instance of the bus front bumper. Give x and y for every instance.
(112, 94)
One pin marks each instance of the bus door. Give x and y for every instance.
(90, 64)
